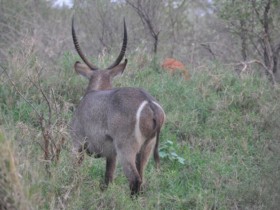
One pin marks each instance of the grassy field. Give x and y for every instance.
(219, 147)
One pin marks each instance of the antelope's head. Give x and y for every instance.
(99, 79)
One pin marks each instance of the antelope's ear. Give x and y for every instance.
(118, 69)
(83, 69)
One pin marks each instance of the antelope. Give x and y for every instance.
(172, 65)
(115, 123)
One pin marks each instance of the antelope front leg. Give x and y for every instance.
(110, 169)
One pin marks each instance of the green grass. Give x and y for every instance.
(219, 146)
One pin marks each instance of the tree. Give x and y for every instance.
(149, 11)
(256, 24)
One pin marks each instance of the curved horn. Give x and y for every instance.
(122, 52)
(79, 51)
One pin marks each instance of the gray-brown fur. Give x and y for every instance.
(105, 124)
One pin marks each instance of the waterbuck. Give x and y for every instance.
(121, 123)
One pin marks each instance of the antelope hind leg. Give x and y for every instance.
(131, 172)
(143, 156)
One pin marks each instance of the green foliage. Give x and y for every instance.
(168, 151)
(218, 147)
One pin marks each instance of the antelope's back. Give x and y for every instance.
(134, 110)
(113, 112)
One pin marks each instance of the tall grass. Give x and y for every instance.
(220, 144)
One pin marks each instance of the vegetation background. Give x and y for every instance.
(220, 146)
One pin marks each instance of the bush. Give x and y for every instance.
(219, 145)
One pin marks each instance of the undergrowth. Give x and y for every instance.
(219, 146)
